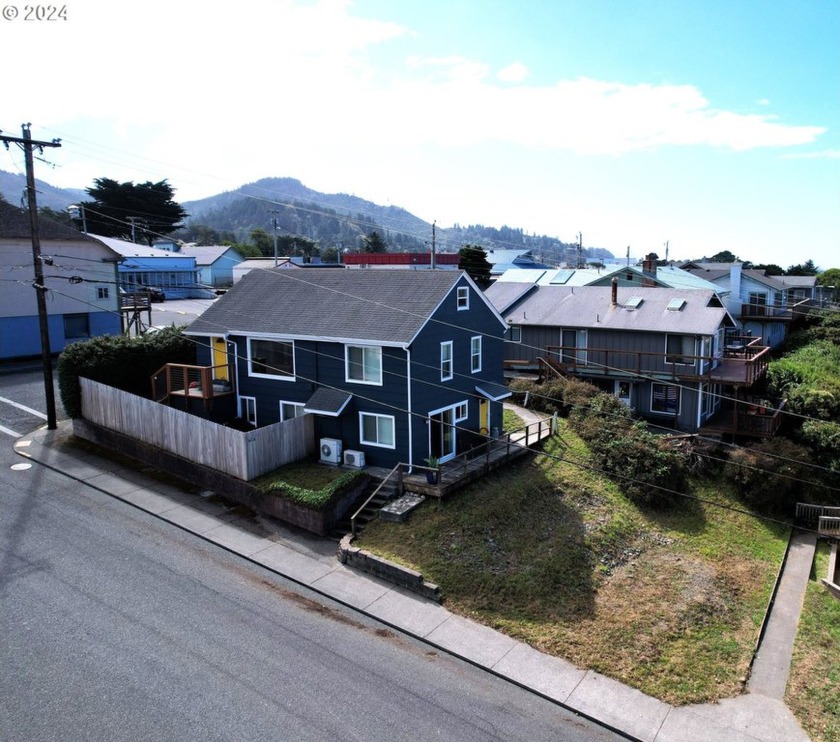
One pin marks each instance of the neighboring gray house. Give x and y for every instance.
(661, 351)
(215, 263)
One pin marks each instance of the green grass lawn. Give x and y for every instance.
(813, 691)
(554, 555)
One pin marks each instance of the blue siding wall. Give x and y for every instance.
(20, 337)
(429, 393)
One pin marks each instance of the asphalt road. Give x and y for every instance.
(118, 626)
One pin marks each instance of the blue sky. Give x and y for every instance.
(708, 125)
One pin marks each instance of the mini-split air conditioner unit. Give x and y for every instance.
(331, 450)
(354, 458)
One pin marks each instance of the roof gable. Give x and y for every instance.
(375, 306)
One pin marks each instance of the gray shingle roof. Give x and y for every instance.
(591, 307)
(14, 223)
(206, 254)
(379, 306)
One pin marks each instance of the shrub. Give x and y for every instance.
(123, 362)
(316, 499)
(769, 483)
(824, 440)
(640, 462)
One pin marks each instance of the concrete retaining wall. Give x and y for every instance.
(320, 522)
(410, 579)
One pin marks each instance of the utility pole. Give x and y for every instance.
(580, 250)
(133, 219)
(432, 263)
(628, 255)
(274, 232)
(27, 144)
(667, 246)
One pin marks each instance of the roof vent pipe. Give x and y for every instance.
(614, 296)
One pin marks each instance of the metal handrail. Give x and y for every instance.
(396, 470)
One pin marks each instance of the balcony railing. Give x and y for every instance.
(204, 382)
(738, 365)
(754, 418)
(775, 311)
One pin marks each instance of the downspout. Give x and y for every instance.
(410, 414)
(699, 403)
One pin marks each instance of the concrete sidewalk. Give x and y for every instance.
(759, 716)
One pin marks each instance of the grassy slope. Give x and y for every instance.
(554, 555)
(813, 691)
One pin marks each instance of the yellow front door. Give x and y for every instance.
(484, 416)
(220, 359)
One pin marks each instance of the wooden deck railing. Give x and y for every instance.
(810, 515)
(740, 364)
(829, 525)
(204, 382)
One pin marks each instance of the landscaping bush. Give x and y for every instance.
(317, 499)
(823, 438)
(639, 461)
(120, 361)
(770, 483)
(559, 395)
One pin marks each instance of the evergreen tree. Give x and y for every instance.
(374, 243)
(143, 210)
(473, 260)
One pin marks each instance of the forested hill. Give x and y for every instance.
(333, 219)
(327, 218)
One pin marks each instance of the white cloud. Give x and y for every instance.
(516, 72)
(825, 154)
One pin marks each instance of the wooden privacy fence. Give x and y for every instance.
(244, 455)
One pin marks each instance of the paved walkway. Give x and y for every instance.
(758, 716)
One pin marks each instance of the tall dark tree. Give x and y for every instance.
(803, 269)
(142, 210)
(724, 256)
(473, 260)
(263, 241)
(770, 269)
(374, 243)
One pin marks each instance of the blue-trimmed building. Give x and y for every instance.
(80, 280)
(398, 365)
(174, 273)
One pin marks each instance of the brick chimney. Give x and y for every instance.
(649, 270)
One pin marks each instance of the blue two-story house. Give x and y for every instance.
(396, 365)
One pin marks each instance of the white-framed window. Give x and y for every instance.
(758, 298)
(446, 370)
(288, 410)
(363, 364)
(272, 359)
(463, 298)
(248, 409)
(102, 292)
(475, 354)
(515, 333)
(664, 399)
(376, 430)
(461, 411)
(680, 349)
